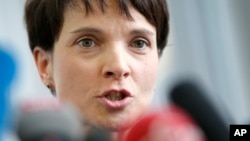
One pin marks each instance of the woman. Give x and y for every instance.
(101, 55)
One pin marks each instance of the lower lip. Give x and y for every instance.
(116, 104)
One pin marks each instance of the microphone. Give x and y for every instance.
(168, 124)
(7, 71)
(48, 120)
(97, 134)
(192, 99)
(7, 75)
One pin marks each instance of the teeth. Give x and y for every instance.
(115, 96)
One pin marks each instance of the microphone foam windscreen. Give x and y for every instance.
(168, 124)
(192, 99)
(48, 119)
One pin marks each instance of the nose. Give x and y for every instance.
(116, 64)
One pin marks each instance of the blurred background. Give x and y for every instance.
(209, 43)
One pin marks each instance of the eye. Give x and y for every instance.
(86, 42)
(140, 44)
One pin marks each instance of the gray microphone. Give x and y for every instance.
(48, 120)
(98, 134)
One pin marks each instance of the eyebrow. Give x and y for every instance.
(87, 29)
(96, 30)
(142, 31)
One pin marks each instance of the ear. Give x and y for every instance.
(43, 60)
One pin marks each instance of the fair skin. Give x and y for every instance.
(105, 63)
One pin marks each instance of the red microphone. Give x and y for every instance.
(169, 124)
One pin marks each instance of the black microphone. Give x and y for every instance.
(192, 99)
(48, 120)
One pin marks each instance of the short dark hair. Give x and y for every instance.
(44, 18)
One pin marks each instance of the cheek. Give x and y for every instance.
(147, 74)
(72, 78)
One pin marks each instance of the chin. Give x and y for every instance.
(121, 123)
(117, 124)
(117, 127)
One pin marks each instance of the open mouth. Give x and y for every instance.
(115, 96)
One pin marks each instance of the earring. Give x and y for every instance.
(52, 90)
(48, 86)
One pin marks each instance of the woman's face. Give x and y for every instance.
(105, 63)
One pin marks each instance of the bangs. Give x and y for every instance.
(88, 6)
